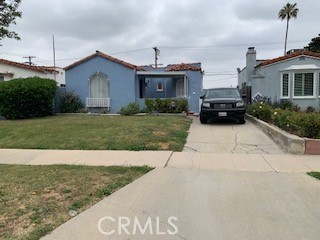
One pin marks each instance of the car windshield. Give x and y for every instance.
(223, 93)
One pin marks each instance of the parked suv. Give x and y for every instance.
(222, 103)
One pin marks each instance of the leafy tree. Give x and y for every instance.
(8, 14)
(314, 45)
(286, 13)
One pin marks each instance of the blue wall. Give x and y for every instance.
(122, 81)
(124, 84)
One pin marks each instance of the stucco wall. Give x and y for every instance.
(25, 73)
(195, 88)
(122, 81)
(270, 86)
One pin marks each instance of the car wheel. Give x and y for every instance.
(203, 120)
(242, 120)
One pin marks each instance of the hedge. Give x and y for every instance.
(27, 98)
(167, 105)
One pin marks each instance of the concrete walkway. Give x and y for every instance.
(207, 205)
(161, 159)
(85, 157)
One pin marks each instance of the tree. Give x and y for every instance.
(314, 45)
(8, 14)
(286, 13)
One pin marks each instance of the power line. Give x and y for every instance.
(231, 45)
(30, 59)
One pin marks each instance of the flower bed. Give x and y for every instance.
(303, 124)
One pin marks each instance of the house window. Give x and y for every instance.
(159, 87)
(99, 86)
(303, 85)
(180, 88)
(285, 85)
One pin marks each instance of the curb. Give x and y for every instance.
(288, 142)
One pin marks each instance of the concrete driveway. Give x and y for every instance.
(179, 203)
(229, 137)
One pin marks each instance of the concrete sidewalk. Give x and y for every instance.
(84, 157)
(215, 205)
(161, 159)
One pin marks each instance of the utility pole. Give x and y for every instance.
(54, 58)
(30, 58)
(156, 54)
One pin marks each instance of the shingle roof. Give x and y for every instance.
(289, 56)
(42, 69)
(183, 67)
(103, 55)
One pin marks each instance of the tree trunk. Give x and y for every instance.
(285, 42)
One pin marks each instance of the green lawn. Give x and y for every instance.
(314, 174)
(34, 200)
(96, 132)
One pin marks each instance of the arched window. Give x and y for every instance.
(180, 88)
(99, 86)
(159, 87)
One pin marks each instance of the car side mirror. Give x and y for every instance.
(202, 97)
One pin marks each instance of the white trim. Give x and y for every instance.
(281, 86)
(288, 59)
(180, 81)
(160, 89)
(314, 85)
(305, 67)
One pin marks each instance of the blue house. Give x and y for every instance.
(105, 83)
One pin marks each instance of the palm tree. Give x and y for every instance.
(287, 12)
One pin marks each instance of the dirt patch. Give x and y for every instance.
(164, 145)
(158, 133)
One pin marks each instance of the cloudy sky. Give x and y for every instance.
(216, 33)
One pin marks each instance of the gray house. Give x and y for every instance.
(294, 77)
(105, 83)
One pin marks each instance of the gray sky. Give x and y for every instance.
(216, 33)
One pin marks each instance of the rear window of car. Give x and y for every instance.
(222, 93)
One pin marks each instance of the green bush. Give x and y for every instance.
(167, 105)
(286, 105)
(289, 119)
(70, 103)
(310, 124)
(130, 109)
(27, 98)
(261, 110)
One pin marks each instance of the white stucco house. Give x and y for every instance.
(10, 70)
(294, 77)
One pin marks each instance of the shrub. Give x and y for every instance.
(27, 98)
(130, 109)
(310, 125)
(167, 105)
(261, 110)
(288, 118)
(70, 103)
(286, 105)
(310, 109)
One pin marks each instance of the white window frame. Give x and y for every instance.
(159, 89)
(314, 85)
(281, 86)
(182, 82)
